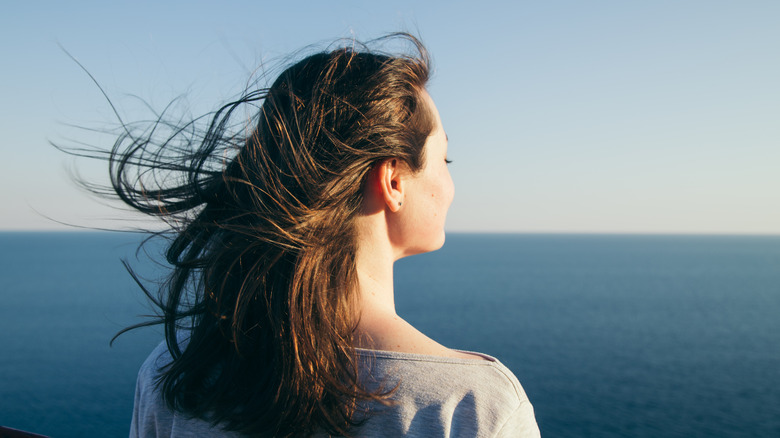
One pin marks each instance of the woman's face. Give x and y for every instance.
(428, 194)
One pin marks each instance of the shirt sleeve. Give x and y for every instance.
(521, 423)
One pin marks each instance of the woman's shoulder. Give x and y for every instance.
(479, 374)
(157, 358)
(152, 416)
(446, 396)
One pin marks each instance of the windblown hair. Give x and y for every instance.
(259, 309)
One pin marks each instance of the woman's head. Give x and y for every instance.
(263, 262)
(324, 123)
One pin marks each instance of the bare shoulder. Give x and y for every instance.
(393, 333)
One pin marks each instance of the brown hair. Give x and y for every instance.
(263, 280)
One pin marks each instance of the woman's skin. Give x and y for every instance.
(403, 215)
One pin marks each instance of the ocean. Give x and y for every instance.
(610, 335)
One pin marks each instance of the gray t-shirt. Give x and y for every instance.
(436, 397)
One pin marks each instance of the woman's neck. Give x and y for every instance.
(379, 326)
(375, 278)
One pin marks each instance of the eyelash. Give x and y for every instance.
(447, 161)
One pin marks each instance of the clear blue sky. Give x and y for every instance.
(563, 116)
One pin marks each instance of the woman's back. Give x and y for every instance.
(434, 397)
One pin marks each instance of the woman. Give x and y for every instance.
(279, 313)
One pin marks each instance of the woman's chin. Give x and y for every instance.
(428, 246)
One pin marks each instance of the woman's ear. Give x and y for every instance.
(392, 175)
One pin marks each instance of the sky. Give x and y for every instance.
(562, 116)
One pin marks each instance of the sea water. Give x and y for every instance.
(610, 335)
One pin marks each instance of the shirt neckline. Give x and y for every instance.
(483, 358)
